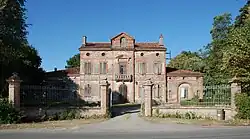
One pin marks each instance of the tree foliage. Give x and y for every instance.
(74, 61)
(187, 60)
(209, 59)
(16, 54)
(244, 15)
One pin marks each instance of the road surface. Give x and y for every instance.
(130, 127)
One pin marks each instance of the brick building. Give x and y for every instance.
(126, 65)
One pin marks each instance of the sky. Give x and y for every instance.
(57, 26)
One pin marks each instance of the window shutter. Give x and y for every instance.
(85, 68)
(139, 67)
(144, 68)
(104, 67)
(90, 68)
(155, 68)
(100, 68)
(89, 90)
(125, 69)
(160, 68)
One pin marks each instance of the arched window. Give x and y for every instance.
(184, 90)
(123, 42)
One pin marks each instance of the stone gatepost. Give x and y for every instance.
(105, 97)
(14, 91)
(148, 98)
(235, 88)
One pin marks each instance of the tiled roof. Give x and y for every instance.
(108, 45)
(179, 72)
(98, 45)
(64, 72)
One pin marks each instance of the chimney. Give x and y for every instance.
(161, 43)
(55, 69)
(84, 40)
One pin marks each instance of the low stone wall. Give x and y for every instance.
(33, 112)
(199, 111)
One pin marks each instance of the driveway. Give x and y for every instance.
(130, 126)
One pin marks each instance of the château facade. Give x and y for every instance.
(126, 65)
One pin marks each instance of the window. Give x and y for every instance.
(169, 94)
(122, 68)
(157, 68)
(87, 54)
(141, 94)
(142, 54)
(123, 42)
(103, 67)
(142, 68)
(157, 54)
(87, 68)
(156, 91)
(184, 92)
(87, 90)
(103, 54)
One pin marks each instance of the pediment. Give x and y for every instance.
(122, 41)
(123, 34)
(122, 56)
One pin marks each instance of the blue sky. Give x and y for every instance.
(58, 25)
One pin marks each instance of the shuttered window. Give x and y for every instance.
(156, 91)
(157, 68)
(141, 94)
(122, 68)
(103, 67)
(87, 68)
(142, 68)
(87, 90)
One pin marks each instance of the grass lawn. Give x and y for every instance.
(51, 124)
(202, 122)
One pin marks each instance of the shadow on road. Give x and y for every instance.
(118, 110)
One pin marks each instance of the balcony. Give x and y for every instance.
(123, 77)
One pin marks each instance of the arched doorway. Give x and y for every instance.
(184, 92)
(123, 93)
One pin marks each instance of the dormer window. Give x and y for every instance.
(123, 42)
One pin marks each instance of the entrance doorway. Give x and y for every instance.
(123, 93)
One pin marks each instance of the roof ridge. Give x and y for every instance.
(98, 42)
(146, 42)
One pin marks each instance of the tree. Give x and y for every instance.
(73, 61)
(187, 60)
(219, 32)
(16, 55)
(244, 15)
(237, 55)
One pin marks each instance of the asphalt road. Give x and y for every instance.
(210, 134)
(131, 127)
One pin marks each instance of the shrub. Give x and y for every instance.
(187, 115)
(8, 114)
(242, 102)
(69, 114)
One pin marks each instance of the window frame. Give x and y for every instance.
(103, 67)
(87, 90)
(157, 66)
(87, 68)
(142, 68)
(123, 42)
(124, 65)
